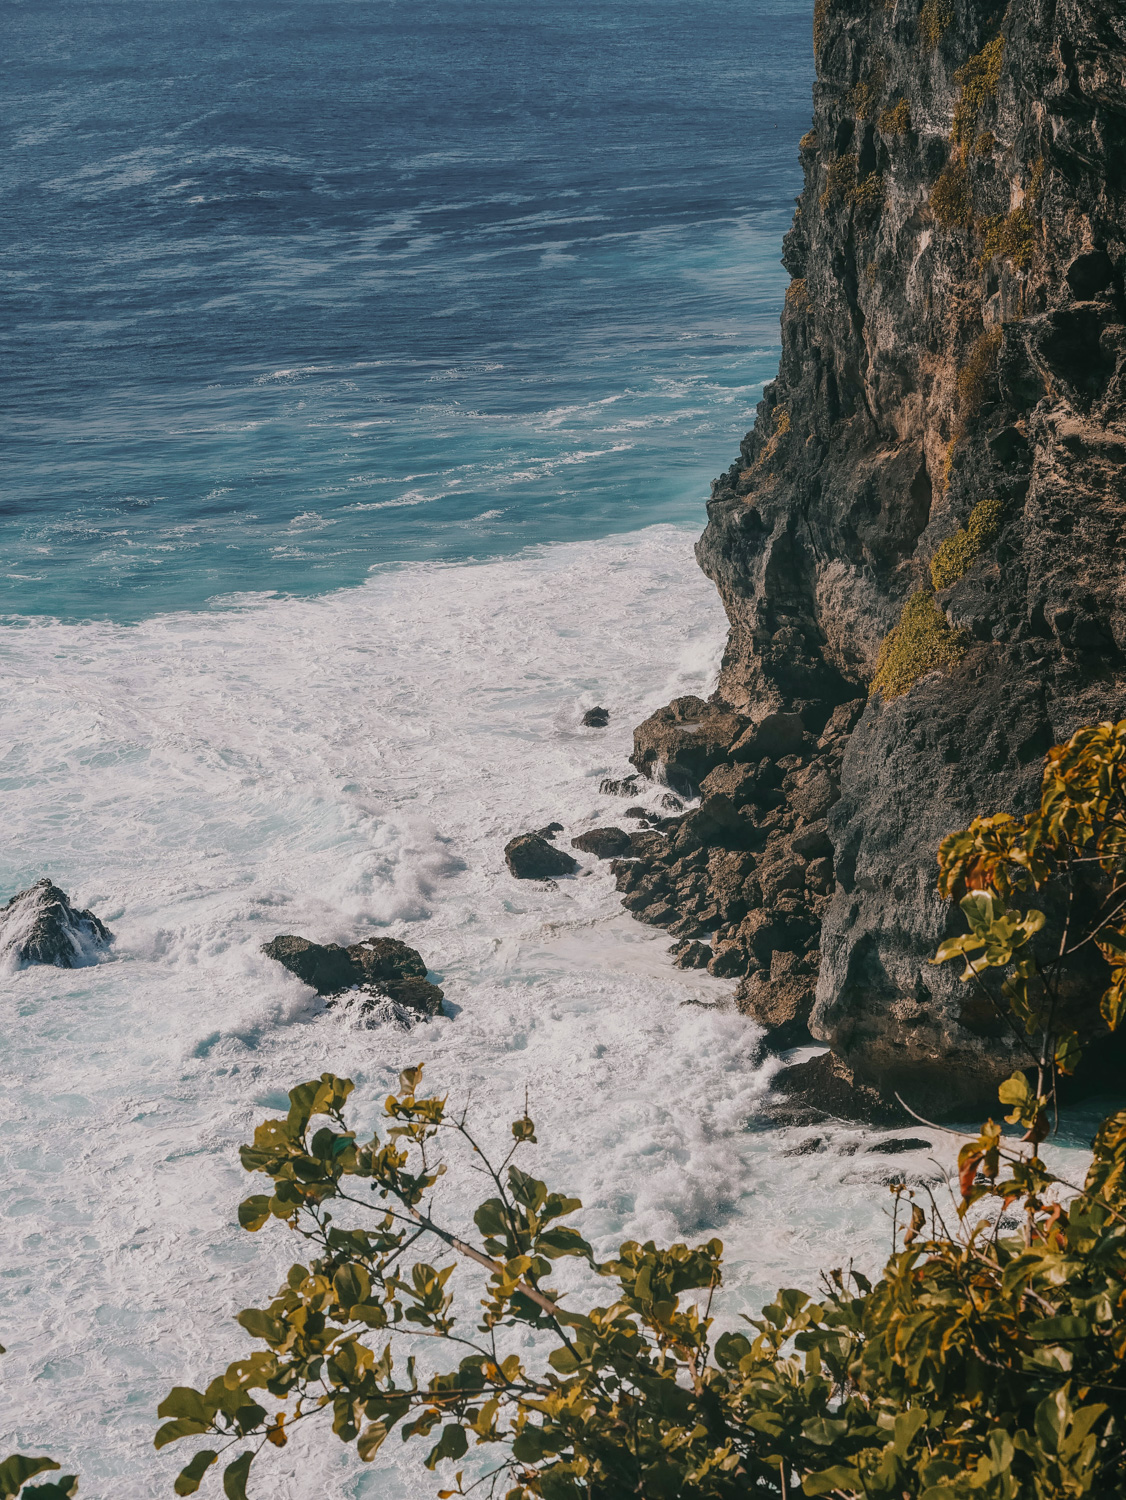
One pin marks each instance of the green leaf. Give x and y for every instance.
(189, 1477)
(14, 1471)
(181, 1427)
(1068, 1052)
(562, 1241)
(235, 1476)
(490, 1218)
(260, 1325)
(352, 1284)
(253, 1212)
(62, 1488)
(1059, 1330)
(839, 1477)
(183, 1401)
(452, 1444)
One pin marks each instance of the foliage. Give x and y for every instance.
(951, 198)
(18, 1468)
(864, 95)
(896, 120)
(957, 552)
(985, 143)
(934, 17)
(840, 178)
(921, 642)
(978, 79)
(797, 295)
(868, 194)
(809, 141)
(1012, 236)
(820, 23)
(1071, 848)
(972, 382)
(983, 1365)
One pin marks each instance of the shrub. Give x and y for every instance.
(809, 141)
(934, 17)
(957, 552)
(983, 1365)
(868, 195)
(972, 382)
(797, 296)
(921, 642)
(978, 79)
(951, 198)
(896, 120)
(1012, 236)
(840, 178)
(1072, 848)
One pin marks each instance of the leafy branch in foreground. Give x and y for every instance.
(980, 1364)
(985, 1364)
(1070, 852)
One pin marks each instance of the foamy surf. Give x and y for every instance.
(335, 767)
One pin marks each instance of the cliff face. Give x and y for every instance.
(941, 461)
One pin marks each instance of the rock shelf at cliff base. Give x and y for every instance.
(919, 546)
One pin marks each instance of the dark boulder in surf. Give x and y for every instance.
(40, 926)
(377, 968)
(530, 857)
(603, 843)
(596, 718)
(381, 959)
(326, 967)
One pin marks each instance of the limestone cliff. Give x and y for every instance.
(933, 496)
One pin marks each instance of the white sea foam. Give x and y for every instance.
(333, 766)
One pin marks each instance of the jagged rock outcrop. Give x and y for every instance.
(379, 968)
(40, 926)
(933, 498)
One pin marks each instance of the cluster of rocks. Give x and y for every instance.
(40, 926)
(374, 970)
(743, 879)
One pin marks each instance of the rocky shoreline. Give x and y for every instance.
(932, 503)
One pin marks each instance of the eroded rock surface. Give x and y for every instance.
(949, 420)
(40, 926)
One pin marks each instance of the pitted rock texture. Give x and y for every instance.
(40, 926)
(955, 332)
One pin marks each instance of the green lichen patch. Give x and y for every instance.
(896, 120)
(797, 295)
(951, 198)
(953, 559)
(1012, 236)
(934, 18)
(921, 642)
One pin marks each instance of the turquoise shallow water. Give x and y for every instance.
(298, 291)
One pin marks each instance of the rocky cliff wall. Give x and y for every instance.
(920, 547)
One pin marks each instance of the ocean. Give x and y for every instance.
(365, 367)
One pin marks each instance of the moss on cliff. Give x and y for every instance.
(958, 552)
(921, 642)
(951, 198)
(1012, 236)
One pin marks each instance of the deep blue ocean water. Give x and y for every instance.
(293, 291)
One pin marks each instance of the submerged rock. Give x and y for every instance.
(596, 718)
(531, 857)
(40, 926)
